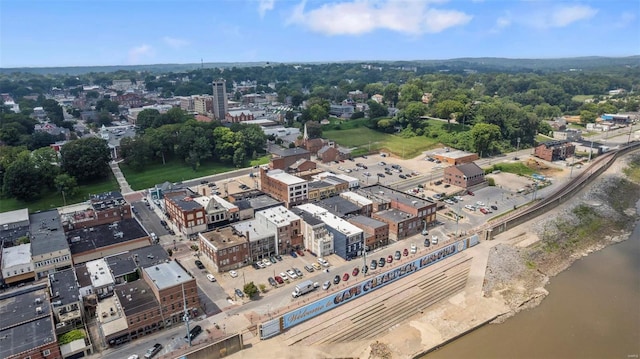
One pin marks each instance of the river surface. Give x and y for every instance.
(592, 311)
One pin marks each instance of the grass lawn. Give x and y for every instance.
(542, 138)
(366, 140)
(581, 98)
(176, 171)
(53, 199)
(517, 168)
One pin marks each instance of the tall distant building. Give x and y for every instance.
(219, 99)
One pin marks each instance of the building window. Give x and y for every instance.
(46, 352)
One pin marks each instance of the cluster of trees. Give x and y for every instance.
(26, 174)
(17, 129)
(174, 135)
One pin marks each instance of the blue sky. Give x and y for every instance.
(111, 32)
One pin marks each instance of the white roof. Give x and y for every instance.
(330, 220)
(19, 215)
(284, 177)
(356, 198)
(17, 255)
(345, 177)
(100, 273)
(165, 275)
(278, 215)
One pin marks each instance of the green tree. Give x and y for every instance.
(135, 151)
(86, 159)
(250, 289)
(45, 159)
(65, 184)
(391, 94)
(314, 129)
(587, 116)
(377, 110)
(318, 113)
(410, 93)
(22, 180)
(486, 138)
(412, 113)
(147, 118)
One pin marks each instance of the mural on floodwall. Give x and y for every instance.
(311, 310)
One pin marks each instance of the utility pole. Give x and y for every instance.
(590, 150)
(186, 315)
(364, 256)
(573, 160)
(630, 130)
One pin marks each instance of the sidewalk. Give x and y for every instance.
(122, 181)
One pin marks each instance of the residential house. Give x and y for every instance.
(466, 175)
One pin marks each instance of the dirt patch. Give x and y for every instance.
(510, 181)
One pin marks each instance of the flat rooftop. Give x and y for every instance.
(367, 221)
(84, 240)
(21, 306)
(47, 235)
(100, 273)
(17, 255)
(394, 215)
(278, 215)
(307, 217)
(65, 285)
(127, 262)
(166, 275)
(26, 336)
(338, 206)
(451, 154)
(285, 177)
(111, 316)
(256, 229)
(136, 297)
(263, 202)
(19, 215)
(184, 202)
(225, 237)
(330, 220)
(390, 194)
(284, 152)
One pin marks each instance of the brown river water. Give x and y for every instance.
(592, 311)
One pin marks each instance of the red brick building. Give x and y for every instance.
(189, 216)
(282, 158)
(224, 249)
(376, 233)
(555, 150)
(465, 175)
(102, 209)
(237, 116)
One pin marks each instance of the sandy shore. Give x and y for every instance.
(507, 275)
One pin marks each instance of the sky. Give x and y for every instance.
(49, 33)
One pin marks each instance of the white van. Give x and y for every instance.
(434, 240)
(414, 248)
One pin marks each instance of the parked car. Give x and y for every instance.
(316, 266)
(199, 264)
(495, 208)
(434, 240)
(355, 271)
(293, 254)
(151, 352)
(204, 182)
(133, 356)
(292, 274)
(374, 264)
(381, 262)
(308, 268)
(211, 278)
(279, 279)
(326, 285)
(266, 262)
(345, 277)
(255, 265)
(193, 333)
(233, 273)
(284, 276)
(300, 252)
(414, 248)
(273, 259)
(239, 293)
(273, 281)
(402, 176)
(483, 210)
(336, 279)
(397, 255)
(470, 193)
(405, 252)
(427, 242)
(389, 258)
(381, 175)
(279, 257)
(365, 269)
(261, 265)
(298, 272)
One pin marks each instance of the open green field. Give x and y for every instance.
(582, 98)
(516, 167)
(353, 134)
(542, 138)
(176, 171)
(54, 199)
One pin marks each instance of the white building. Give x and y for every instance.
(16, 263)
(102, 281)
(297, 189)
(353, 182)
(317, 237)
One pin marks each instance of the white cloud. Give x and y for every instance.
(138, 53)
(265, 5)
(561, 16)
(501, 23)
(175, 42)
(363, 16)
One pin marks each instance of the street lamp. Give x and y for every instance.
(186, 315)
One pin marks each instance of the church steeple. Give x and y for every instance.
(305, 136)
